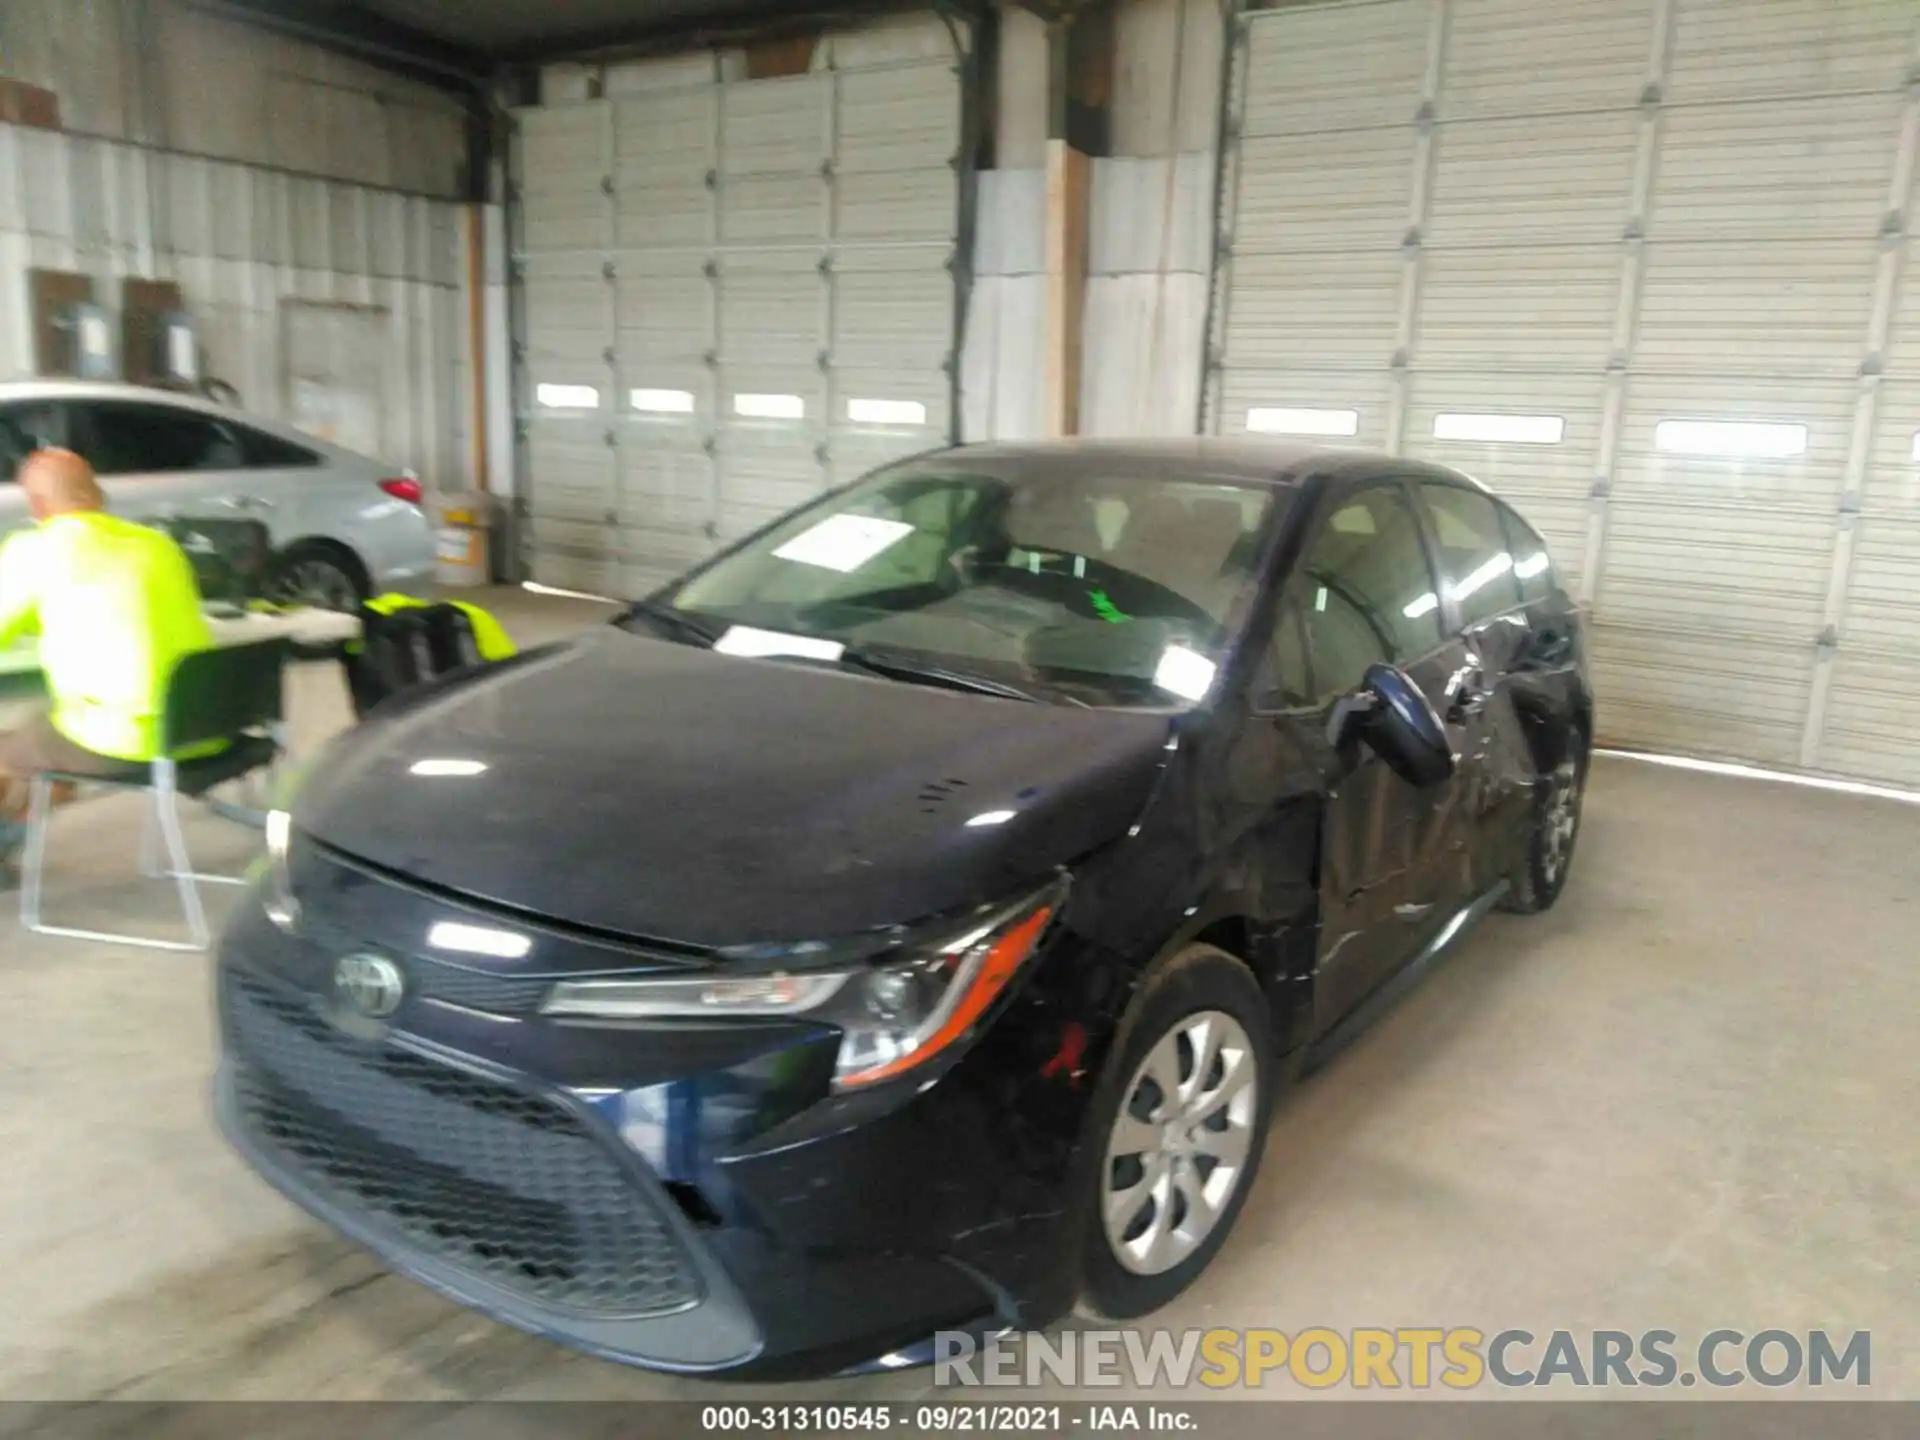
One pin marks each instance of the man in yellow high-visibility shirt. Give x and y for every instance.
(115, 606)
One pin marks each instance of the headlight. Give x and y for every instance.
(652, 999)
(892, 1015)
(277, 892)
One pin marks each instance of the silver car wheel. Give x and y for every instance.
(1179, 1146)
(1561, 821)
(319, 583)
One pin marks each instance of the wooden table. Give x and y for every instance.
(305, 628)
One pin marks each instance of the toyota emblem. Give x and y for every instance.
(370, 984)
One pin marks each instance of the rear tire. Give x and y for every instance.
(320, 574)
(1177, 1128)
(1541, 875)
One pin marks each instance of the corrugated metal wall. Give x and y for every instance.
(165, 74)
(242, 240)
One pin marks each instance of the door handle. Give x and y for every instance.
(1411, 913)
(1468, 692)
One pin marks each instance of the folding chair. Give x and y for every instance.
(234, 694)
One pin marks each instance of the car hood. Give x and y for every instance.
(630, 785)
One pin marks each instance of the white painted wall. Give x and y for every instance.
(1002, 374)
(1150, 246)
(1150, 231)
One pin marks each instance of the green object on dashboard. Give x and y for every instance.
(1108, 611)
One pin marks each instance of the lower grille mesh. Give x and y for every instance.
(498, 1182)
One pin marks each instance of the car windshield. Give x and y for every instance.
(1070, 585)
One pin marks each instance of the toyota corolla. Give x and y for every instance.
(904, 922)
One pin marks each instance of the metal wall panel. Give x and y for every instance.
(729, 263)
(1692, 694)
(1776, 169)
(241, 242)
(1523, 58)
(1785, 308)
(1335, 67)
(1621, 214)
(175, 75)
(1528, 309)
(1747, 49)
(1533, 180)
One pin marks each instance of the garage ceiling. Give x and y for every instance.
(472, 34)
(504, 27)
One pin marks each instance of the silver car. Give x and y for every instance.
(344, 527)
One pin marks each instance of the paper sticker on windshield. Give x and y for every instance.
(770, 644)
(844, 542)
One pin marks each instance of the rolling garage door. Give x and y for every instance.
(1641, 265)
(732, 295)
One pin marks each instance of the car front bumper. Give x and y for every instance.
(691, 1200)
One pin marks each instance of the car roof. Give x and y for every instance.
(1251, 458)
(44, 387)
(55, 387)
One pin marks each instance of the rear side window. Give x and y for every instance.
(1368, 596)
(1532, 567)
(24, 429)
(136, 439)
(1475, 563)
(270, 452)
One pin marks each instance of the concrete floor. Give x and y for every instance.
(1683, 1100)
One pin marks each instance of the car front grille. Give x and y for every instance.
(491, 1179)
(476, 989)
(311, 969)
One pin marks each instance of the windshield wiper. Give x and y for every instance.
(895, 667)
(688, 625)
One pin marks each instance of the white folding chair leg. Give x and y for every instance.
(167, 814)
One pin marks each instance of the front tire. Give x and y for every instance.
(1178, 1130)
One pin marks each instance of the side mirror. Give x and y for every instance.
(1393, 717)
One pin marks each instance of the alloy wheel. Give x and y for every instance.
(318, 583)
(1561, 821)
(1179, 1146)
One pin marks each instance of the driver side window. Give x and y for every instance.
(1367, 592)
(127, 438)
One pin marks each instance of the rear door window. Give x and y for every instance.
(130, 438)
(1471, 545)
(269, 452)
